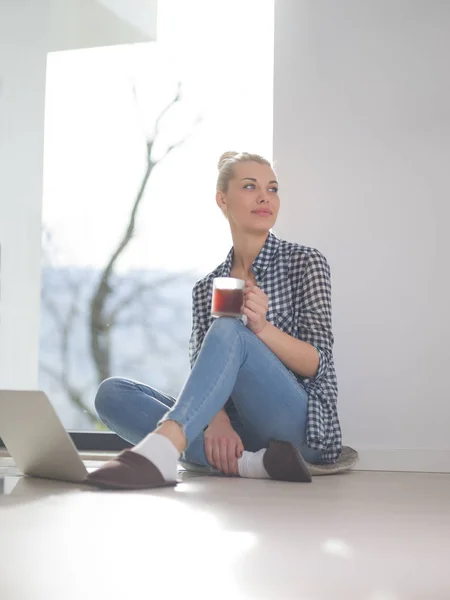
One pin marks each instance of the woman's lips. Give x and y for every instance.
(263, 212)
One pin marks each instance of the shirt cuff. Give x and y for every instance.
(323, 364)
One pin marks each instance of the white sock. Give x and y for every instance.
(161, 452)
(251, 465)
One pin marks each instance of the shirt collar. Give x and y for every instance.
(226, 266)
(260, 263)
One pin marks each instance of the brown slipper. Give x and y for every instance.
(128, 471)
(284, 462)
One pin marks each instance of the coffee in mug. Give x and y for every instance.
(227, 297)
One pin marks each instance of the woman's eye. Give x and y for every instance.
(249, 186)
(274, 190)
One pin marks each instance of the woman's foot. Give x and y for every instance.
(155, 465)
(284, 462)
(281, 461)
(150, 464)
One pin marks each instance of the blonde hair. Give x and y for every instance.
(226, 166)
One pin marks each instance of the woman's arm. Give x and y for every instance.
(298, 356)
(313, 309)
(310, 355)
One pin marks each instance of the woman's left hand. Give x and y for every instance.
(256, 304)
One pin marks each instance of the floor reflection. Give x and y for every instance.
(14, 484)
(7, 484)
(339, 539)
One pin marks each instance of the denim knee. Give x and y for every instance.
(107, 396)
(226, 327)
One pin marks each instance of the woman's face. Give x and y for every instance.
(251, 202)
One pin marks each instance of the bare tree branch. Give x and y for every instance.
(74, 395)
(65, 326)
(182, 141)
(131, 363)
(67, 330)
(108, 311)
(52, 309)
(100, 321)
(138, 292)
(177, 98)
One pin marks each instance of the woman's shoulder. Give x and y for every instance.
(301, 255)
(204, 284)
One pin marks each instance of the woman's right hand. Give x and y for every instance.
(223, 446)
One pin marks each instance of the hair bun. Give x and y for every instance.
(225, 156)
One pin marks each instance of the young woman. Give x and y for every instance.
(261, 398)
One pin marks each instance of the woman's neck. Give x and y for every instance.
(246, 249)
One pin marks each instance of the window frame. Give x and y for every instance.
(93, 441)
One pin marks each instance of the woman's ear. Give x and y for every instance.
(220, 200)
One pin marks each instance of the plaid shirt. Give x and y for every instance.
(296, 280)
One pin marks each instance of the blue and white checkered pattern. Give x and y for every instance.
(297, 282)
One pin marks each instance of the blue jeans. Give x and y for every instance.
(267, 400)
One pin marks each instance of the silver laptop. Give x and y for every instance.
(36, 438)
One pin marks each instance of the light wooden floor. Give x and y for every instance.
(361, 536)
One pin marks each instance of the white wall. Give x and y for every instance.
(22, 90)
(27, 30)
(362, 141)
